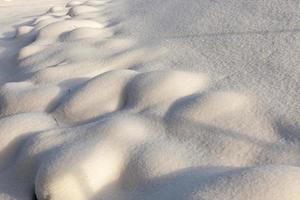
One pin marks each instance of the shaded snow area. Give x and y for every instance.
(149, 100)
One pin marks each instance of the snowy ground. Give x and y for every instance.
(150, 100)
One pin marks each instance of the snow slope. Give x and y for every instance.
(140, 99)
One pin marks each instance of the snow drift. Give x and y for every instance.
(95, 113)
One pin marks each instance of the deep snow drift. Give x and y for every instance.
(146, 100)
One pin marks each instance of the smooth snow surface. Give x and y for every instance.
(149, 100)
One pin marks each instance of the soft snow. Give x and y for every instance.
(149, 100)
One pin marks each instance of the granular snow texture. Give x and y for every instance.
(149, 100)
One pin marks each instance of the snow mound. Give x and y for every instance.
(106, 89)
(85, 32)
(20, 97)
(74, 3)
(79, 10)
(14, 130)
(104, 144)
(157, 87)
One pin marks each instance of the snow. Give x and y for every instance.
(144, 100)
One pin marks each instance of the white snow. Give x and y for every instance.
(149, 100)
